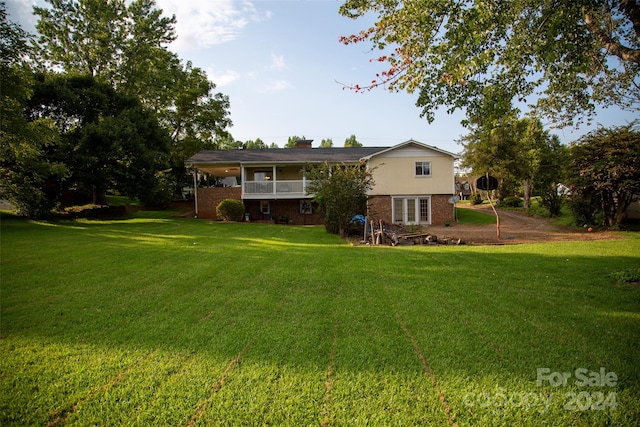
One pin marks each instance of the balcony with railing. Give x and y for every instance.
(273, 182)
(274, 189)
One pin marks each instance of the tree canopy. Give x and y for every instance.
(326, 143)
(513, 150)
(352, 142)
(604, 167)
(341, 192)
(24, 168)
(124, 44)
(568, 54)
(107, 140)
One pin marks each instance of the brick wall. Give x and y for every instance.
(210, 197)
(288, 208)
(291, 208)
(441, 209)
(380, 208)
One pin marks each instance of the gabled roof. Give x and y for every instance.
(408, 143)
(301, 155)
(283, 155)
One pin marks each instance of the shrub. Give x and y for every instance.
(631, 275)
(552, 201)
(340, 192)
(476, 199)
(511, 202)
(230, 210)
(159, 193)
(585, 209)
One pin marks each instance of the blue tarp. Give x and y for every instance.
(358, 218)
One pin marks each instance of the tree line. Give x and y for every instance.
(228, 143)
(97, 102)
(597, 176)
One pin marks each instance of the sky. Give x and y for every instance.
(282, 66)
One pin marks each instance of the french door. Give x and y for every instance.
(412, 210)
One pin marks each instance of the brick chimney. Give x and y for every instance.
(304, 143)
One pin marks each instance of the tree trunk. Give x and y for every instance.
(99, 196)
(527, 196)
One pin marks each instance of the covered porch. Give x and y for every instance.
(260, 181)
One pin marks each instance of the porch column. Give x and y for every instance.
(304, 180)
(195, 190)
(275, 179)
(242, 181)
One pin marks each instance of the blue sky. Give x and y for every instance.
(279, 62)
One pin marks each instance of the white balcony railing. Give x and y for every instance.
(274, 188)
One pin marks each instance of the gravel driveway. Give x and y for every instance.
(515, 227)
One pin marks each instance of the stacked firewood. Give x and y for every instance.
(377, 232)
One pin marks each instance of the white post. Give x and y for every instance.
(304, 180)
(242, 180)
(275, 179)
(195, 190)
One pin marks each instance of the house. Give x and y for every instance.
(414, 182)
(463, 189)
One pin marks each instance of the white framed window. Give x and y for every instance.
(411, 210)
(423, 168)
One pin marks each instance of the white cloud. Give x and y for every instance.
(204, 23)
(222, 78)
(275, 86)
(277, 62)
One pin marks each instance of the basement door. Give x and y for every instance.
(411, 210)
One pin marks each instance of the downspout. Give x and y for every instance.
(195, 189)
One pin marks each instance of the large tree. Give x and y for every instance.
(568, 54)
(125, 44)
(107, 140)
(550, 180)
(24, 167)
(513, 150)
(604, 167)
(115, 43)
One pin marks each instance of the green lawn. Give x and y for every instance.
(474, 217)
(158, 321)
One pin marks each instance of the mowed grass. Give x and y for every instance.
(474, 217)
(158, 321)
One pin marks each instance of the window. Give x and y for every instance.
(262, 176)
(411, 210)
(265, 207)
(305, 207)
(423, 168)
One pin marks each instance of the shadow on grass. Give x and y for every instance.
(299, 298)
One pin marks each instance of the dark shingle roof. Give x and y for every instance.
(285, 155)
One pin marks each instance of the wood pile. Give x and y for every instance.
(379, 233)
